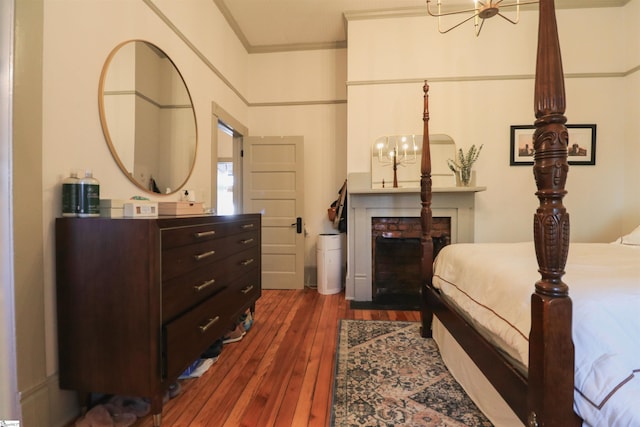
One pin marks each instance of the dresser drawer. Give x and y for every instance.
(185, 291)
(179, 260)
(188, 336)
(174, 237)
(244, 290)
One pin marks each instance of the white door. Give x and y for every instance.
(273, 185)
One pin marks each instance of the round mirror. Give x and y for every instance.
(147, 117)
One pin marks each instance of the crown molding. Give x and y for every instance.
(298, 46)
(401, 12)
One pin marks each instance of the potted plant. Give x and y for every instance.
(462, 167)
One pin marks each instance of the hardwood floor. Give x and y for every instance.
(280, 374)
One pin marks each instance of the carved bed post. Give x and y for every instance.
(425, 217)
(551, 352)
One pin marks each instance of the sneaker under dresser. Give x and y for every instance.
(139, 300)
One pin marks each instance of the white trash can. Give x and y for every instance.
(329, 264)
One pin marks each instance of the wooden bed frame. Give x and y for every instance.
(544, 397)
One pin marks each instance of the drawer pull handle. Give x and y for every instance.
(245, 241)
(198, 288)
(247, 289)
(204, 255)
(204, 234)
(246, 226)
(247, 261)
(209, 324)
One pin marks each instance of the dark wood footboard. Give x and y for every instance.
(507, 380)
(545, 396)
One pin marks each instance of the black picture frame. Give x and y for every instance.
(581, 150)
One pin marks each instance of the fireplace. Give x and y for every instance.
(396, 254)
(454, 203)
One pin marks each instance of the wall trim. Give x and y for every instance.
(218, 73)
(228, 16)
(229, 119)
(401, 12)
(489, 78)
(297, 103)
(633, 70)
(195, 50)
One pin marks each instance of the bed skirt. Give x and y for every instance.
(472, 380)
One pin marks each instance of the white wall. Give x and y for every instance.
(303, 93)
(479, 87)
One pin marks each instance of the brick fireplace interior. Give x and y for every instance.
(396, 252)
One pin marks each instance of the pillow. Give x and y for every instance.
(632, 238)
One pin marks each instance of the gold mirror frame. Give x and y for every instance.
(147, 117)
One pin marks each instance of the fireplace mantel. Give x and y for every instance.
(365, 203)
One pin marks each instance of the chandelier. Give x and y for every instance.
(481, 11)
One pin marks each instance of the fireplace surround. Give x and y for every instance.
(396, 253)
(365, 203)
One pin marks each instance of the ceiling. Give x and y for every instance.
(282, 25)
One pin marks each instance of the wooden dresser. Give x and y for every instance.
(139, 300)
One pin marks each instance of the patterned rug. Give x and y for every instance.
(388, 375)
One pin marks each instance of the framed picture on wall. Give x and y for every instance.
(582, 144)
(581, 150)
(521, 145)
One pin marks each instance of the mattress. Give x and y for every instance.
(491, 284)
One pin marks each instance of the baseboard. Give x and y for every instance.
(45, 404)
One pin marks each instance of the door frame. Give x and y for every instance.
(219, 114)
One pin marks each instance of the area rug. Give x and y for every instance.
(386, 374)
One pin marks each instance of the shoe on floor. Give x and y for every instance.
(213, 351)
(174, 390)
(233, 336)
(106, 415)
(247, 320)
(132, 405)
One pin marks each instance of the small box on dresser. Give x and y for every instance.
(141, 209)
(111, 208)
(139, 299)
(180, 208)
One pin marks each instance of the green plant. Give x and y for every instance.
(464, 163)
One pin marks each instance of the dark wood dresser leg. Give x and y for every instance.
(156, 409)
(84, 399)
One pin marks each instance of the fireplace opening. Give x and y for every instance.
(396, 254)
(396, 268)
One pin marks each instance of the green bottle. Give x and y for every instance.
(70, 195)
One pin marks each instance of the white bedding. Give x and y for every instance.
(492, 284)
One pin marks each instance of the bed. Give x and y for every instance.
(494, 301)
(525, 349)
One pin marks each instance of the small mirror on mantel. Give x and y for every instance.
(395, 161)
